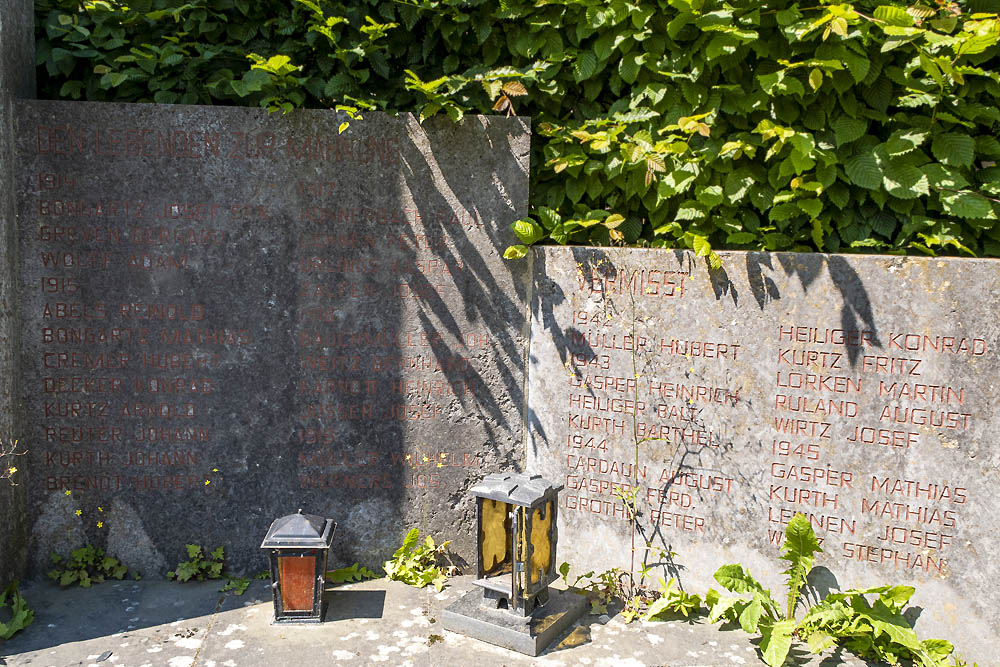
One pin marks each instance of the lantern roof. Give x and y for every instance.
(516, 488)
(300, 531)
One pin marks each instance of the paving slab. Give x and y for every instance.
(158, 623)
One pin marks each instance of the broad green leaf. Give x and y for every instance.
(410, 540)
(897, 596)
(721, 45)
(734, 578)
(659, 605)
(864, 171)
(988, 146)
(701, 246)
(492, 88)
(721, 607)
(893, 15)
(904, 181)
(815, 78)
(636, 116)
(613, 220)
(750, 616)
(817, 235)
(690, 210)
(629, 67)
(893, 624)
(709, 195)
(938, 649)
(813, 207)
(527, 231)
(820, 641)
(940, 176)
(776, 241)
(776, 641)
(784, 211)
(956, 150)
(740, 238)
(585, 66)
(846, 129)
(858, 65)
(548, 217)
(965, 204)
(738, 184)
(901, 142)
(781, 83)
(879, 95)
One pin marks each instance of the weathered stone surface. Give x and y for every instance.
(17, 80)
(857, 390)
(231, 315)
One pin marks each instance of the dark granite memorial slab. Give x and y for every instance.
(859, 390)
(230, 315)
(525, 634)
(17, 80)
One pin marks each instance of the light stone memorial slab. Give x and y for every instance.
(858, 390)
(229, 315)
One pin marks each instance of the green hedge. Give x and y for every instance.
(774, 125)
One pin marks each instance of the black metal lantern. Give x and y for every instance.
(516, 540)
(298, 545)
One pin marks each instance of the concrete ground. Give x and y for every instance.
(159, 623)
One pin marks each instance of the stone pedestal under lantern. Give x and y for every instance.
(515, 563)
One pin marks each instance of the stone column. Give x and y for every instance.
(17, 80)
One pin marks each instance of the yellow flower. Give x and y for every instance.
(215, 470)
(67, 492)
(100, 524)
(12, 470)
(79, 512)
(100, 509)
(207, 482)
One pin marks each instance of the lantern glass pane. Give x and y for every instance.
(493, 537)
(297, 575)
(541, 556)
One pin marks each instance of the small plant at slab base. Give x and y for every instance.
(673, 600)
(602, 588)
(199, 567)
(874, 629)
(348, 574)
(20, 616)
(86, 565)
(237, 585)
(418, 564)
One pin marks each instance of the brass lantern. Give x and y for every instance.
(516, 540)
(298, 545)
